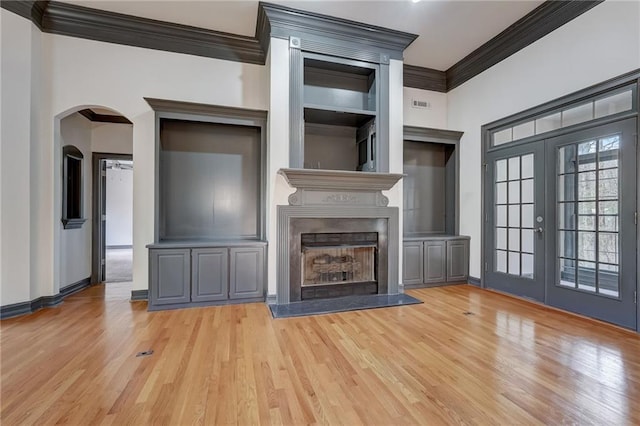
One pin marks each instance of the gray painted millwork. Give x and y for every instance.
(209, 274)
(432, 259)
(137, 295)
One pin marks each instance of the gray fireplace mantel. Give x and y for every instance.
(337, 187)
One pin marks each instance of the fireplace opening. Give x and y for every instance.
(338, 264)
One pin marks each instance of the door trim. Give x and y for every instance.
(96, 223)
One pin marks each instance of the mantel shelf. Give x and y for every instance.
(339, 180)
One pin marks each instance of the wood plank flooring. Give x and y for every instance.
(465, 356)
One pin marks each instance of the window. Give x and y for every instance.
(72, 196)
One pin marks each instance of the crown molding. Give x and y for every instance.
(103, 118)
(170, 106)
(424, 78)
(545, 18)
(426, 134)
(284, 22)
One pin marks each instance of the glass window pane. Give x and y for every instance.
(501, 170)
(514, 263)
(501, 238)
(587, 276)
(527, 265)
(502, 136)
(608, 280)
(514, 216)
(527, 166)
(527, 216)
(566, 187)
(586, 186)
(501, 216)
(608, 184)
(501, 193)
(578, 114)
(608, 207)
(567, 216)
(527, 240)
(514, 192)
(609, 153)
(523, 130)
(567, 159)
(587, 223)
(514, 168)
(587, 156)
(527, 191)
(608, 247)
(587, 246)
(567, 272)
(548, 123)
(588, 207)
(501, 261)
(614, 104)
(608, 223)
(566, 244)
(514, 239)
(612, 143)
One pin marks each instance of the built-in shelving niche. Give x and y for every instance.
(340, 99)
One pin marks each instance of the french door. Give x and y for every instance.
(591, 263)
(560, 222)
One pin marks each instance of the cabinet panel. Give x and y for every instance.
(170, 276)
(457, 260)
(210, 274)
(435, 262)
(247, 272)
(412, 263)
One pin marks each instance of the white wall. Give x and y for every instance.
(396, 140)
(112, 138)
(15, 189)
(434, 117)
(600, 44)
(75, 244)
(119, 208)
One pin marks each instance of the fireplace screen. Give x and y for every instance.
(338, 258)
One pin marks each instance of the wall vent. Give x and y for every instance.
(420, 104)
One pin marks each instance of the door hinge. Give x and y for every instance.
(485, 167)
(103, 173)
(104, 217)
(635, 297)
(486, 266)
(635, 218)
(486, 217)
(102, 262)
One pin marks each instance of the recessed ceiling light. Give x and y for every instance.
(415, 1)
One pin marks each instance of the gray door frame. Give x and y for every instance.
(98, 243)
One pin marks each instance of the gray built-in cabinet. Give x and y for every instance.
(433, 252)
(196, 276)
(209, 243)
(435, 260)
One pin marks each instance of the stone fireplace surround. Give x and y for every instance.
(336, 201)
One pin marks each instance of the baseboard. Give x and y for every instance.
(474, 281)
(119, 247)
(139, 295)
(75, 287)
(429, 285)
(24, 308)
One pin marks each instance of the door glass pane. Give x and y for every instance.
(587, 156)
(566, 187)
(587, 223)
(586, 186)
(501, 261)
(527, 215)
(514, 215)
(514, 192)
(501, 170)
(566, 216)
(608, 277)
(567, 272)
(527, 240)
(566, 244)
(501, 193)
(608, 247)
(587, 276)
(587, 245)
(527, 191)
(514, 168)
(527, 265)
(514, 263)
(514, 239)
(501, 238)
(567, 159)
(608, 184)
(527, 166)
(501, 216)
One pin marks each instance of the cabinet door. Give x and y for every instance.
(435, 262)
(412, 263)
(247, 272)
(209, 274)
(457, 260)
(170, 280)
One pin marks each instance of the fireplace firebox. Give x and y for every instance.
(338, 264)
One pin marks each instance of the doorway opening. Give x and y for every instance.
(113, 218)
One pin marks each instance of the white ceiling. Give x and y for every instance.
(448, 29)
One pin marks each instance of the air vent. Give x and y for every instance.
(420, 104)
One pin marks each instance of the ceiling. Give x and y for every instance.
(448, 30)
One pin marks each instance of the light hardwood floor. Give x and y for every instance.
(507, 362)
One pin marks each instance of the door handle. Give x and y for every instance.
(539, 230)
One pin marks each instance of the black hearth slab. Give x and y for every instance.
(341, 304)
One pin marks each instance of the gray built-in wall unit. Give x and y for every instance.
(209, 220)
(433, 251)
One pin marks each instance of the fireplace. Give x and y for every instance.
(342, 264)
(337, 237)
